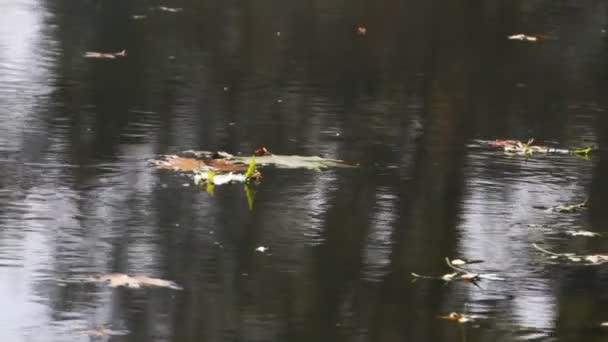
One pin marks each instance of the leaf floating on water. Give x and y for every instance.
(582, 233)
(460, 273)
(105, 55)
(261, 249)
(168, 9)
(176, 163)
(119, 279)
(460, 262)
(296, 162)
(523, 37)
(590, 259)
(101, 331)
(459, 317)
(573, 208)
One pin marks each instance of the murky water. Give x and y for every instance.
(408, 101)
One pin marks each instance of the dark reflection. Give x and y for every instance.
(406, 101)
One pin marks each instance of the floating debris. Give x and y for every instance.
(459, 274)
(523, 37)
(105, 55)
(573, 208)
(461, 262)
(582, 233)
(168, 9)
(119, 279)
(101, 331)
(459, 317)
(528, 148)
(361, 30)
(139, 16)
(261, 249)
(590, 259)
(208, 175)
(189, 161)
(177, 163)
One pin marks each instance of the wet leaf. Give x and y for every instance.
(591, 259)
(119, 279)
(296, 162)
(168, 9)
(101, 331)
(460, 262)
(459, 317)
(176, 163)
(582, 233)
(523, 37)
(105, 55)
(261, 249)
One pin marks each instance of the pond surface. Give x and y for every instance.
(408, 100)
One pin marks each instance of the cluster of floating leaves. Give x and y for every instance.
(589, 259)
(516, 147)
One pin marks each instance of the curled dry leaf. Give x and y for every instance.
(119, 279)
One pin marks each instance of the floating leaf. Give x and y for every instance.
(591, 259)
(168, 9)
(296, 162)
(523, 37)
(105, 55)
(101, 331)
(459, 317)
(582, 233)
(119, 279)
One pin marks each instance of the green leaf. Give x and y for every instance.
(252, 169)
(250, 193)
(584, 151)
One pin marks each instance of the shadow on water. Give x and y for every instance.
(407, 100)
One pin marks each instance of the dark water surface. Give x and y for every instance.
(407, 101)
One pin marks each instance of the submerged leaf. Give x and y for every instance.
(250, 193)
